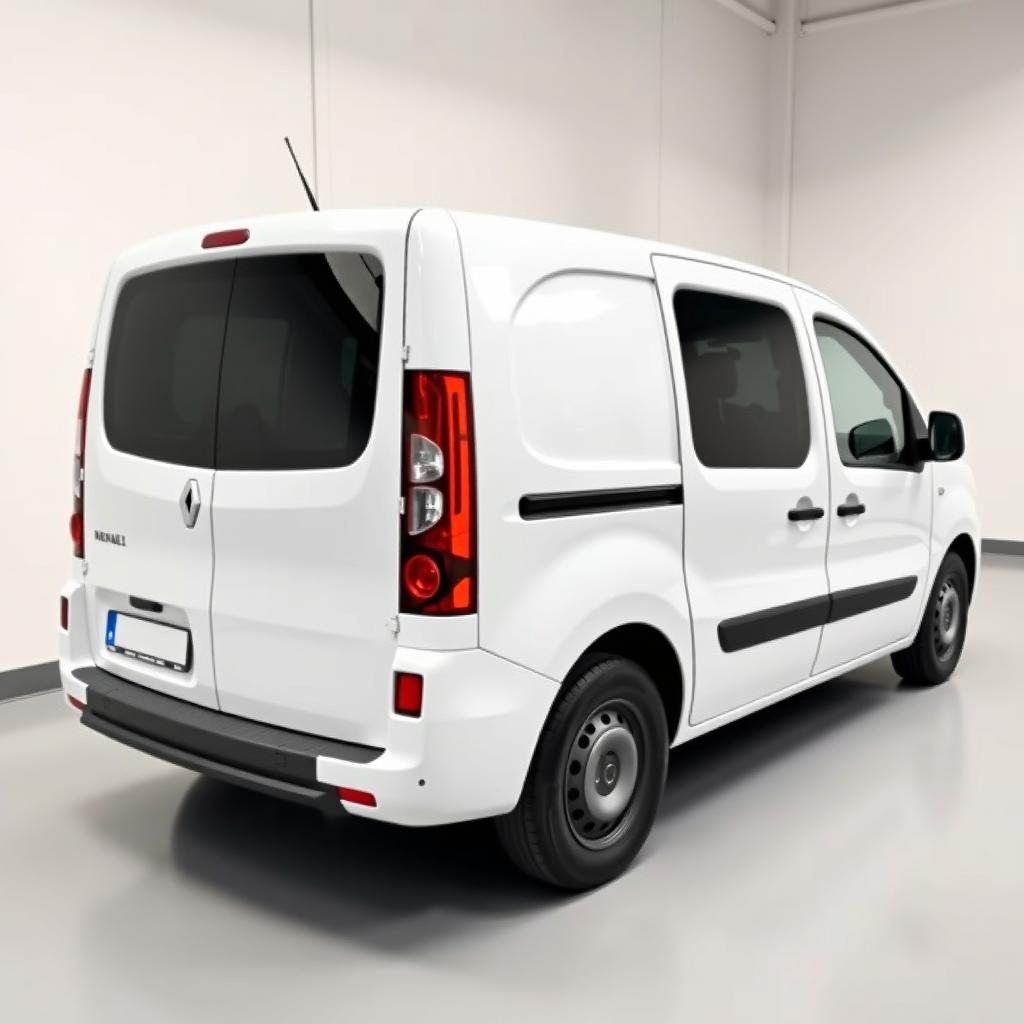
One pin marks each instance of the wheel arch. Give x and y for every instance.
(963, 546)
(651, 649)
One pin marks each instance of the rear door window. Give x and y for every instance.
(300, 363)
(160, 397)
(262, 363)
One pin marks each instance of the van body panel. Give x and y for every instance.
(563, 362)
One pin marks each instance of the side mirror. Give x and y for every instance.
(873, 438)
(945, 436)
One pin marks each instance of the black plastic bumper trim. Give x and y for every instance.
(311, 795)
(252, 753)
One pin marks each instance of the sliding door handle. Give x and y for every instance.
(857, 509)
(804, 513)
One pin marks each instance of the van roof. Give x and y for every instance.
(580, 246)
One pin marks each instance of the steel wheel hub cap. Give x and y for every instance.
(947, 619)
(601, 776)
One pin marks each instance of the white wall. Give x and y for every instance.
(124, 119)
(908, 207)
(644, 118)
(120, 120)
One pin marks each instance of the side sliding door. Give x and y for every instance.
(755, 481)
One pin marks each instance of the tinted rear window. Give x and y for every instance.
(259, 363)
(160, 397)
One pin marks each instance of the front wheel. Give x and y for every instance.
(595, 782)
(939, 643)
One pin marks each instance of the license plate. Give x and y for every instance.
(149, 641)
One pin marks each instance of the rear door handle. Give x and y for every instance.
(851, 510)
(801, 515)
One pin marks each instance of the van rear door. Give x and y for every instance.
(305, 509)
(149, 480)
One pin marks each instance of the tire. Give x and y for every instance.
(575, 828)
(936, 649)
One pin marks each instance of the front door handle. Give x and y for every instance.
(803, 514)
(854, 509)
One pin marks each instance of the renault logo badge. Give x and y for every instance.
(189, 503)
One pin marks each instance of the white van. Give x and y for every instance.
(438, 516)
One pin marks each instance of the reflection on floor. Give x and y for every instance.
(851, 854)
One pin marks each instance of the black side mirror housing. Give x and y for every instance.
(873, 438)
(945, 437)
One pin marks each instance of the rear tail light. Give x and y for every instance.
(78, 507)
(357, 796)
(439, 570)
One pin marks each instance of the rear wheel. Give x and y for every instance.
(936, 649)
(595, 782)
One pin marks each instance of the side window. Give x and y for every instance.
(865, 398)
(744, 382)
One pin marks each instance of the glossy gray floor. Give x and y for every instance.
(854, 854)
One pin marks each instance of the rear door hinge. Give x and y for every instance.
(393, 625)
(405, 353)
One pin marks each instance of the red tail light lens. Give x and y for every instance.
(439, 572)
(216, 239)
(422, 577)
(78, 508)
(357, 796)
(408, 694)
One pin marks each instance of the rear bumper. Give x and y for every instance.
(466, 757)
(249, 754)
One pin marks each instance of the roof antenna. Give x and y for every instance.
(305, 184)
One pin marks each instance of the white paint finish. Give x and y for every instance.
(891, 540)
(121, 120)
(468, 754)
(589, 374)
(716, 131)
(530, 109)
(162, 560)
(908, 209)
(568, 293)
(436, 321)
(742, 554)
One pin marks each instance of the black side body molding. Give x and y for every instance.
(578, 503)
(253, 754)
(773, 623)
(744, 631)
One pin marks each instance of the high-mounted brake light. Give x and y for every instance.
(215, 239)
(78, 506)
(439, 572)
